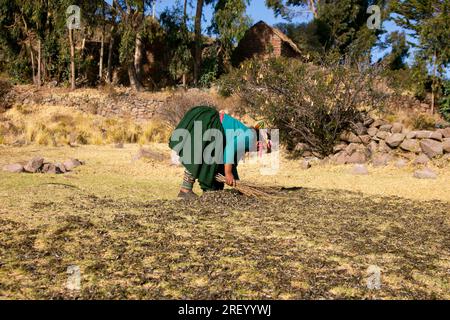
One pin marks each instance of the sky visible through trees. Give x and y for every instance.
(257, 11)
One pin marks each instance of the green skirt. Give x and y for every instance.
(203, 172)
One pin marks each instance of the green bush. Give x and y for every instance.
(444, 103)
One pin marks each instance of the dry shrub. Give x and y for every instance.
(309, 104)
(5, 88)
(156, 131)
(182, 101)
(421, 121)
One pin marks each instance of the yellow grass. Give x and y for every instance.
(57, 126)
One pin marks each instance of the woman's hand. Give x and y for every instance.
(229, 177)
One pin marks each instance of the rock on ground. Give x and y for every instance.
(350, 137)
(13, 168)
(60, 167)
(386, 127)
(381, 159)
(395, 139)
(357, 157)
(397, 128)
(148, 154)
(426, 173)
(359, 169)
(421, 159)
(446, 145)
(382, 135)
(445, 132)
(71, 164)
(34, 165)
(431, 148)
(436, 135)
(423, 134)
(372, 131)
(401, 163)
(305, 164)
(410, 145)
(378, 123)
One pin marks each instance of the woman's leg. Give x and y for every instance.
(188, 181)
(187, 186)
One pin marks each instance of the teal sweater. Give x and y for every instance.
(243, 140)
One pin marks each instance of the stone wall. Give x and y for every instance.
(380, 143)
(124, 103)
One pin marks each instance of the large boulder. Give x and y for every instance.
(431, 148)
(410, 145)
(425, 173)
(13, 168)
(34, 165)
(446, 145)
(395, 139)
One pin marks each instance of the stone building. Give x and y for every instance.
(266, 41)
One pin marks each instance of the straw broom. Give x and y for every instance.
(249, 189)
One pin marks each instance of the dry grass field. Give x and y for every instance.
(119, 221)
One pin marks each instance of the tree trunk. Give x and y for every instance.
(102, 49)
(134, 83)
(185, 33)
(33, 68)
(72, 60)
(433, 85)
(185, 13)
(138, 49)
(102, 45)
(111, 46)
(110, 50)
(313, 8)
(38, 82)
(198, 40)
(154, 9)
